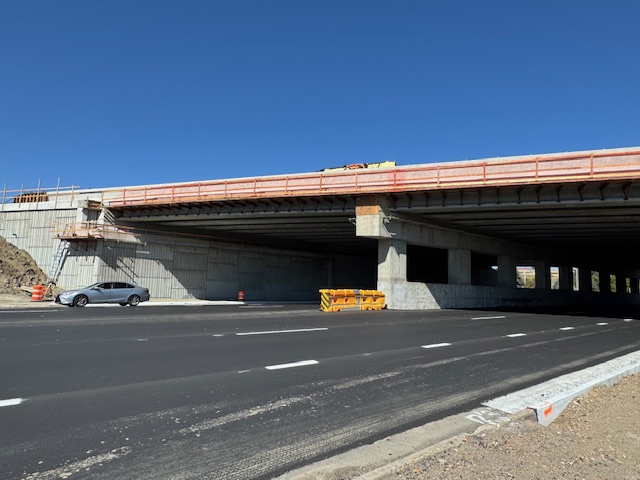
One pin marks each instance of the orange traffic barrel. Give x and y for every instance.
(241, 296)
(37, 294)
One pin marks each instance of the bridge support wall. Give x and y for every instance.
(180, 267)
(395, 232)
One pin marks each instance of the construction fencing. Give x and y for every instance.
(351, 299)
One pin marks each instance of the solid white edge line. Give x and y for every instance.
(513, 335)
(488, 318)
(268, 332)
(568, 328)
(436, 345)
(11, 402)
(303, 363)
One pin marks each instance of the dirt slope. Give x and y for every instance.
(596, 438)
(17, 268)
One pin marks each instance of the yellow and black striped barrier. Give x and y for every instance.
(332, 300)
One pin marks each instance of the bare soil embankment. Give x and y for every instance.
(17, 269)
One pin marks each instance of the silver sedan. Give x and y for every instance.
(104, 292)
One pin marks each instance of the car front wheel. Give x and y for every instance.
(80, 301)
(134, 300)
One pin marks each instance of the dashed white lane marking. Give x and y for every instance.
(488, 318)
(11, 402)
(628, 319)
(602, 324)
(269, 332)
(142, 339)
(436, 345)
(568, 328)
(303, 363)
(513, 335)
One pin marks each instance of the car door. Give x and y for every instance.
(101, 293)
(122, 291)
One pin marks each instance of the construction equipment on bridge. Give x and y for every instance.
(356, 166)
(335, 300)
(31, 197)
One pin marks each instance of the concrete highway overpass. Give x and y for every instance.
(429, 236)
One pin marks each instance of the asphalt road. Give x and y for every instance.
(249, 392)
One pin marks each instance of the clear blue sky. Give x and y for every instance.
(115, 93)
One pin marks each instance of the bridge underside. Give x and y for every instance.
(593, 226)
(581, 219)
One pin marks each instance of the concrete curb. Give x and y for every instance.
(550, 398)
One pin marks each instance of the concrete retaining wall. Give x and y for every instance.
(420, 296)
(180, 267)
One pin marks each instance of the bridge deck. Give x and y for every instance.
(564, 168)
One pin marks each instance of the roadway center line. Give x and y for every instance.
(303, 363)
(436, 345)
(11, 402)
(513, 335)
(268, 332)
(488, 318)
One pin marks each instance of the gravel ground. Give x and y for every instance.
(596, 437)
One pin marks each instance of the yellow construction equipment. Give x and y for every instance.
(356, 166)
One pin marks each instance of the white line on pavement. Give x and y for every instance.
(602, 323)
(628, 319)
(513, 335)
(303, 363)
(12, 401)
(568, 328)
(488, 318)
(268, 332)
(436, 345)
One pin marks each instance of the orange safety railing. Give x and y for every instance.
(576, 167)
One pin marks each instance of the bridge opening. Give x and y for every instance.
(427, 264)
(484, 269)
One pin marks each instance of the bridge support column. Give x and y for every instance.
(507, 275)
(634, 285)
(459, 266)
(605, 281)
(584, 280)
(621, 284)
(543, 274)
(392, 270)
(565, 273)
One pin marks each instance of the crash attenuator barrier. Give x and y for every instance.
(334, 300)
